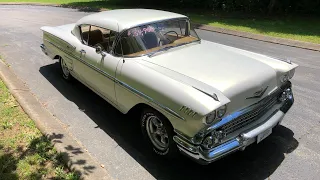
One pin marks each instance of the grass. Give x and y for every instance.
(296, 28)
(24, 152)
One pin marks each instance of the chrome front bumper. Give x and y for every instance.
(239, 142)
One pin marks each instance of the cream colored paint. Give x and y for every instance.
(169, 80)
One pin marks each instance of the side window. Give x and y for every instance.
(101, 37)
(85, 33)
(183, 24)
(118, 49)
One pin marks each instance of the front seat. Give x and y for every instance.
(150, 40)
(95, 37)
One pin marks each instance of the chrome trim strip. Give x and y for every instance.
(185, 144)
(274, 120)
(236, 114)
(60, 39)
(221, 150)
(61, 49)
(239, 142)
(214, 96)
(170, 111)
(83, 61)
(183, 137)
(214, 154)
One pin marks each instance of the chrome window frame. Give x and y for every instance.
(113, 44)
(125, 29)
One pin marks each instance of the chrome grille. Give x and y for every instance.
(254, 114)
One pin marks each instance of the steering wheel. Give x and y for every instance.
(164, 35)
(173, 32)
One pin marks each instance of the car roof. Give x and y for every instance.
(118, 20)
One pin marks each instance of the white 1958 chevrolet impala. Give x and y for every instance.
(201, 98)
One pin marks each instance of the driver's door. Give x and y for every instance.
(97, 70)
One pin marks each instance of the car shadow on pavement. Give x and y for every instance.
(256, 162)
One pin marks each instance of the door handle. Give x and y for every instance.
(82, 51)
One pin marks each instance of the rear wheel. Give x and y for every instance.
(158, 133)
(65, 70)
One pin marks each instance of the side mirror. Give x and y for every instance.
(99, 50)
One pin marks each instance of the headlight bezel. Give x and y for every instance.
(215, 115)
(221, 111)
(287, 76)
(210, 118)
(291, 73)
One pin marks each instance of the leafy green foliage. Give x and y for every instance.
(260, 6)
(24, 152)
(255, 16)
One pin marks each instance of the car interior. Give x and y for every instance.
(99, 37)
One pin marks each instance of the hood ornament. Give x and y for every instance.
(259, 93)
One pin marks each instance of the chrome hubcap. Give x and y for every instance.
(157, 133)
(64, 67)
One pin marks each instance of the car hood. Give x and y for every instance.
(236, 73)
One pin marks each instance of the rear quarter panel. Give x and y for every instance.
(60, 41)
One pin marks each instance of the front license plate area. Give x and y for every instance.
(263, 135)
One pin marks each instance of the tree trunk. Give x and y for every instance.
(271, 6)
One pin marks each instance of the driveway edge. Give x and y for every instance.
(259, 37)
(75, 155)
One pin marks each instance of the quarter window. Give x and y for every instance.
(97, 36)
(85, 33)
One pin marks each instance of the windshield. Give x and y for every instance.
(148, 39)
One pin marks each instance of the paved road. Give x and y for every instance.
(291, 152)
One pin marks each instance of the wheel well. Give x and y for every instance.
(136, 111)
(57, 57)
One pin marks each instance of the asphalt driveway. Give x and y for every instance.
(291, 152)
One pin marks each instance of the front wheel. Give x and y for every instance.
(158, 133)
(65, 70)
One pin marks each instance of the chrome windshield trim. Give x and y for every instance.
(125, 29)
(151, 22)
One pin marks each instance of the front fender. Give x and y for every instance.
(138, 83)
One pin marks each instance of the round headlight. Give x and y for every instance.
(291, 73)
(221, 111)
(284, 78)
(211, 117)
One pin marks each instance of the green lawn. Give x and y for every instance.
(24, 152)
(302, 29)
